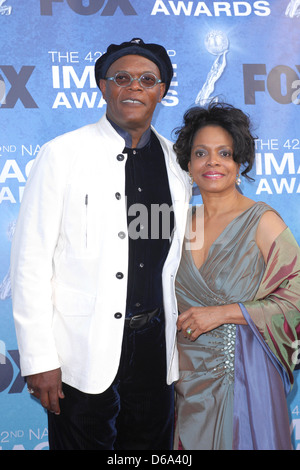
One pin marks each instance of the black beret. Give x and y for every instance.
(136, 46)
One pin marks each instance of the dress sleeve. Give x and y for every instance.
(275, 309)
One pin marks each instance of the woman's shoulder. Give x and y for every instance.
(263, 211)
(270, 226)
(270, 218)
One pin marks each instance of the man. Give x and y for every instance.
(93, 291)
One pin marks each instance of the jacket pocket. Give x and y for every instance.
(72, 303)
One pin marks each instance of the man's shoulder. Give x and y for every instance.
(65, 148)
(75, 136)
(85, 136)
(167, 146)
(163, 138)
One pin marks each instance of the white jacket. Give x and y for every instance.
(69, 243)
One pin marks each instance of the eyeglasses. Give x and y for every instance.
(124, 79)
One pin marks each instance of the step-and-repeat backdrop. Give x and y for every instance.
(244, 52)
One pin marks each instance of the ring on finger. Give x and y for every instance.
(30, 390)
(189, 331)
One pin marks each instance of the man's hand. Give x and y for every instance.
(47, 387)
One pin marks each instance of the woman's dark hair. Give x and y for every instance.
(233, 120)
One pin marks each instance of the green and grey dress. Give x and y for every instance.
(232, 273)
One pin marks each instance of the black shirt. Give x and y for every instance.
(150, 221)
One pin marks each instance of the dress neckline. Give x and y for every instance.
(219, 236)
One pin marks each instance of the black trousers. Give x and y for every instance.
(136, 412)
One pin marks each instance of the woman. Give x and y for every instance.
(238, 290)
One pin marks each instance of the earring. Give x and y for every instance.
(238, 180)
(192, 179)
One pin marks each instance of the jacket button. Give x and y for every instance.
(118, 196)
(120, 275)
(120, 157)
(118, 315)
(121, 235)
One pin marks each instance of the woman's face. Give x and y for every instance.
(212, 166)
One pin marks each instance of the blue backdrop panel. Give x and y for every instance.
(244, 52)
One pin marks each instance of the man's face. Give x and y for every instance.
(131, 107)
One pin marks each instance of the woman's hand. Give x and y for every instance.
(198, 320)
